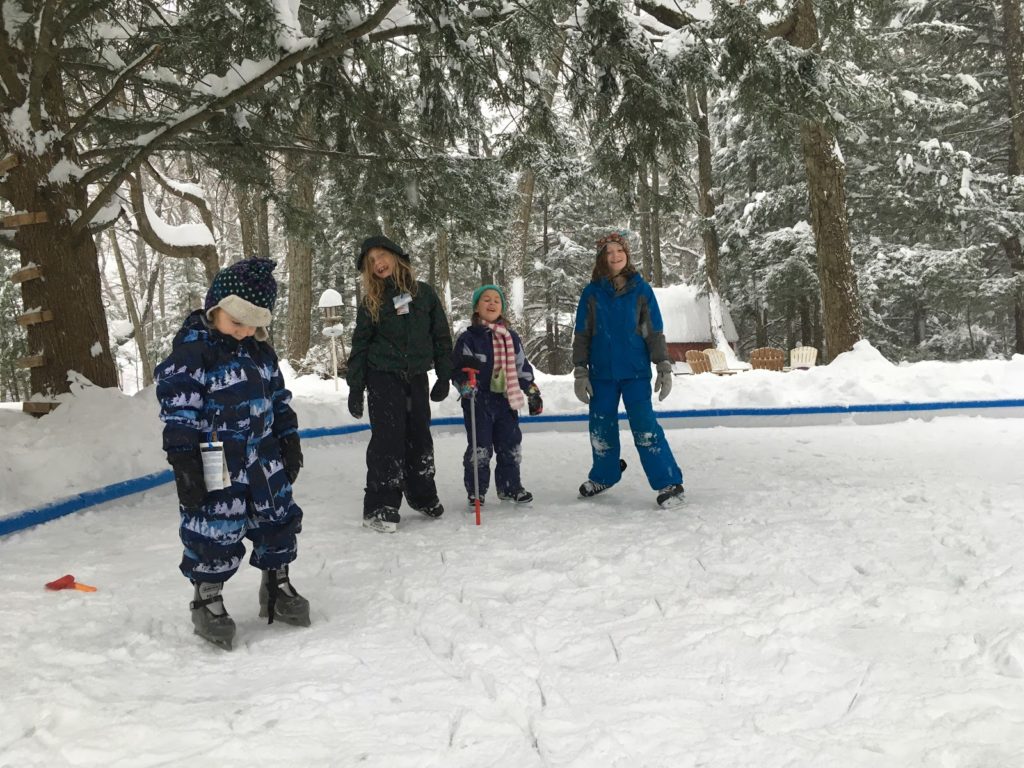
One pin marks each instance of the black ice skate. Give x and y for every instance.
(521, 496)
(670, 496)
(209, 617)
(384, 520)
(279, 600)
(590, 488)
(472, 502)
(432, 509)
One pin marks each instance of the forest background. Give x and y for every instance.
(830, 169)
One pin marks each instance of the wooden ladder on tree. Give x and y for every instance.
(34, 272)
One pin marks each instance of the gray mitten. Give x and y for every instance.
(663, 382)
(582, 384)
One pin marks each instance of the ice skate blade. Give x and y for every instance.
(381, 526)
(295, 621)
(225, 645)
(672, 503)
(510, 500)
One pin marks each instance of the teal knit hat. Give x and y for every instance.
(480, 292)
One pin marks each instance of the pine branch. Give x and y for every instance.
(113, 92)
(201, 205)
(206, 254)
(191, 118)
(677, 19)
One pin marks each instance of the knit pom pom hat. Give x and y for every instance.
(246, 290)
(613, 237)
(480, 292)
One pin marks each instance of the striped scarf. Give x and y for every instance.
(505, 366)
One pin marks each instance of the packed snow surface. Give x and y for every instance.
(839, 595)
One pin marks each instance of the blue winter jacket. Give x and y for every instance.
(618, 333)
(213, 383)
(477, 342)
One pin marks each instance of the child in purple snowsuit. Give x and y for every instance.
(505, 383)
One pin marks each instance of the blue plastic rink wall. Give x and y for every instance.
(811, 415)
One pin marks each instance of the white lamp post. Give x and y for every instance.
(330, 306)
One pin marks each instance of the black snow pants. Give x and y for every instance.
(400, 456)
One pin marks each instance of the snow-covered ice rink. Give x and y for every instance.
(829, 596)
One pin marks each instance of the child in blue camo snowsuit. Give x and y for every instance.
(618, 335)
(504, 384)
(222, 383)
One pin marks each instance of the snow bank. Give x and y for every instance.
(101, 436)
(687, 315)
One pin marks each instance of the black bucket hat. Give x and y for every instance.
(379, 241)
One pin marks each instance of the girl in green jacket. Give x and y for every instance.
(401, 333)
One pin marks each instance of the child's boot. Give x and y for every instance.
(279, 600)
(210, 617)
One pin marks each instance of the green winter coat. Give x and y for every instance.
(403, 344)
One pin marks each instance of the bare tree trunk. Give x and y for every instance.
(697, 101)
(133, 312)
(302, 179)
(1013, 56)
(75, 339)
(644, 195)
(263, 227)
(444, 284)
(806, 329)
(549, 362)
(248, 219)
(826, 174)
(514, 267)
(761, 325)
(657, 273)
(432, 268)
(513, 271)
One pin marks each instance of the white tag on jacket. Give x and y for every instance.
(402, 302)
(215, 468)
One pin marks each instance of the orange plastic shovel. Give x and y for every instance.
(68, 582)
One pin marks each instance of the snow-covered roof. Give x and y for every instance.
(687, 316)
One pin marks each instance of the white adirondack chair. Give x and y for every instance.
(803, 357)
(718, 361)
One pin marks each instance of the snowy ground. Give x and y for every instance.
(829, 596)
(101, 436)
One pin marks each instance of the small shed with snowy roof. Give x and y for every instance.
(687, 319)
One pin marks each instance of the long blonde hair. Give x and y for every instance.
(373, 286)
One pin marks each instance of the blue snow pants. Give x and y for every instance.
(648, 436)
(257, 505)
(497, 433)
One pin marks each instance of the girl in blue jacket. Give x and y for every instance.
(504, 384)
(618, 335)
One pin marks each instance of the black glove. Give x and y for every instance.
(291, 455)
(469, 361)
(533, 400)
(355, 403)
(440, 390)
(188, 477)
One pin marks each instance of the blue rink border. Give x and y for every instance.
(80, 501)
